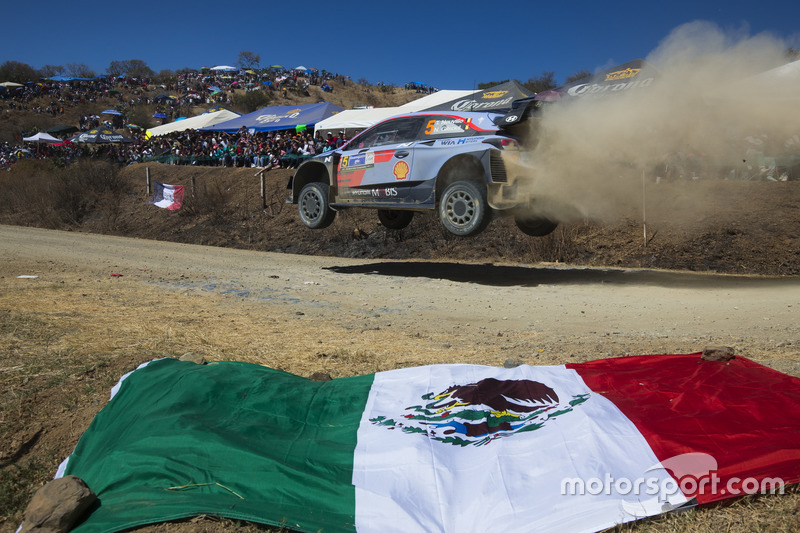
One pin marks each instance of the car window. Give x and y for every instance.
(443, 126)
(390, 132)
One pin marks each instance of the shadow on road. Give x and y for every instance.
(531, 276)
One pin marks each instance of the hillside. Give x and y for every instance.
(18, 120)
(706, 225)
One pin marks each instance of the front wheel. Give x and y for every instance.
(463, 209)
(313, 206)
(535, 227)
(394, 218)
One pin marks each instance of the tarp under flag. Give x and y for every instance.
(278, 118)
(633, 75)
(497, 98)
(167, 196)
(577, 447)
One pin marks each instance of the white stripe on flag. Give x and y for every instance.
(409, 481)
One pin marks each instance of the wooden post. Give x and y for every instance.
(147, 180)
(194, 184)
(644, 209)
(263, 191)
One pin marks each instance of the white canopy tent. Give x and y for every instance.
(41, 137)
(364, 118)
(780, 84)
(193, 123)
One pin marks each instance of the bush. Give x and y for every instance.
(51, 196)
(207, 197)
(252, 100)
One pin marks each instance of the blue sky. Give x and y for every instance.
(448, 44)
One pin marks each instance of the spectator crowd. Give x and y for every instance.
(190, 88)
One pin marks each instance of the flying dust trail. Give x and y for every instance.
(704, 116)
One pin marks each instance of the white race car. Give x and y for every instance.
(449, 161)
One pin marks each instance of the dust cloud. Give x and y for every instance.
(701, 116)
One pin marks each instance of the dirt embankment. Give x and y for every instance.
(737, 227)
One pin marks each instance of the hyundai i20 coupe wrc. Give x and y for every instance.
(451, 162)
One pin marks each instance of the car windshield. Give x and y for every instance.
(393, 131)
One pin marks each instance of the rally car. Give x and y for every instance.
(451, 162)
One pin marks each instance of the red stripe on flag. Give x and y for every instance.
(744, 415)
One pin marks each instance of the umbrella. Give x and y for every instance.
(280, 67)
(100, 135)
(301, 67)
(10, 84)
(159, 115)
(41, 138)
(224, 68)
(134, 127)
(111, 112)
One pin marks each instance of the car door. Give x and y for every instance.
(375, 166)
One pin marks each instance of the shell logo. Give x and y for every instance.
(400, 170)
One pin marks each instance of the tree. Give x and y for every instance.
(80, 70)
(116, 68)
(251, 100)
(165, 76)
(248, 60)
(139, 69)
(17, 72)
(486, 85)
(132, 68)
(544, 82)
(578, 76)
(48, 71)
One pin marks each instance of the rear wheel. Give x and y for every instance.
(313, 206)
(535, 227)
(394, 218)
(463, 209)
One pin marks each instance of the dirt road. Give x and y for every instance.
(501, 314)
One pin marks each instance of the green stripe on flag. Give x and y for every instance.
(231, 439)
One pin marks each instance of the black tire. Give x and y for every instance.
(463, 209)
(395, 218)
(313, 206)
(536, 227)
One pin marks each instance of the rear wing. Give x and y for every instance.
(522, 121)
(521, 110)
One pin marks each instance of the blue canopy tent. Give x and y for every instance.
(278, 118)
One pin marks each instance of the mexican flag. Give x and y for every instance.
(167, 196)
(577, 447)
